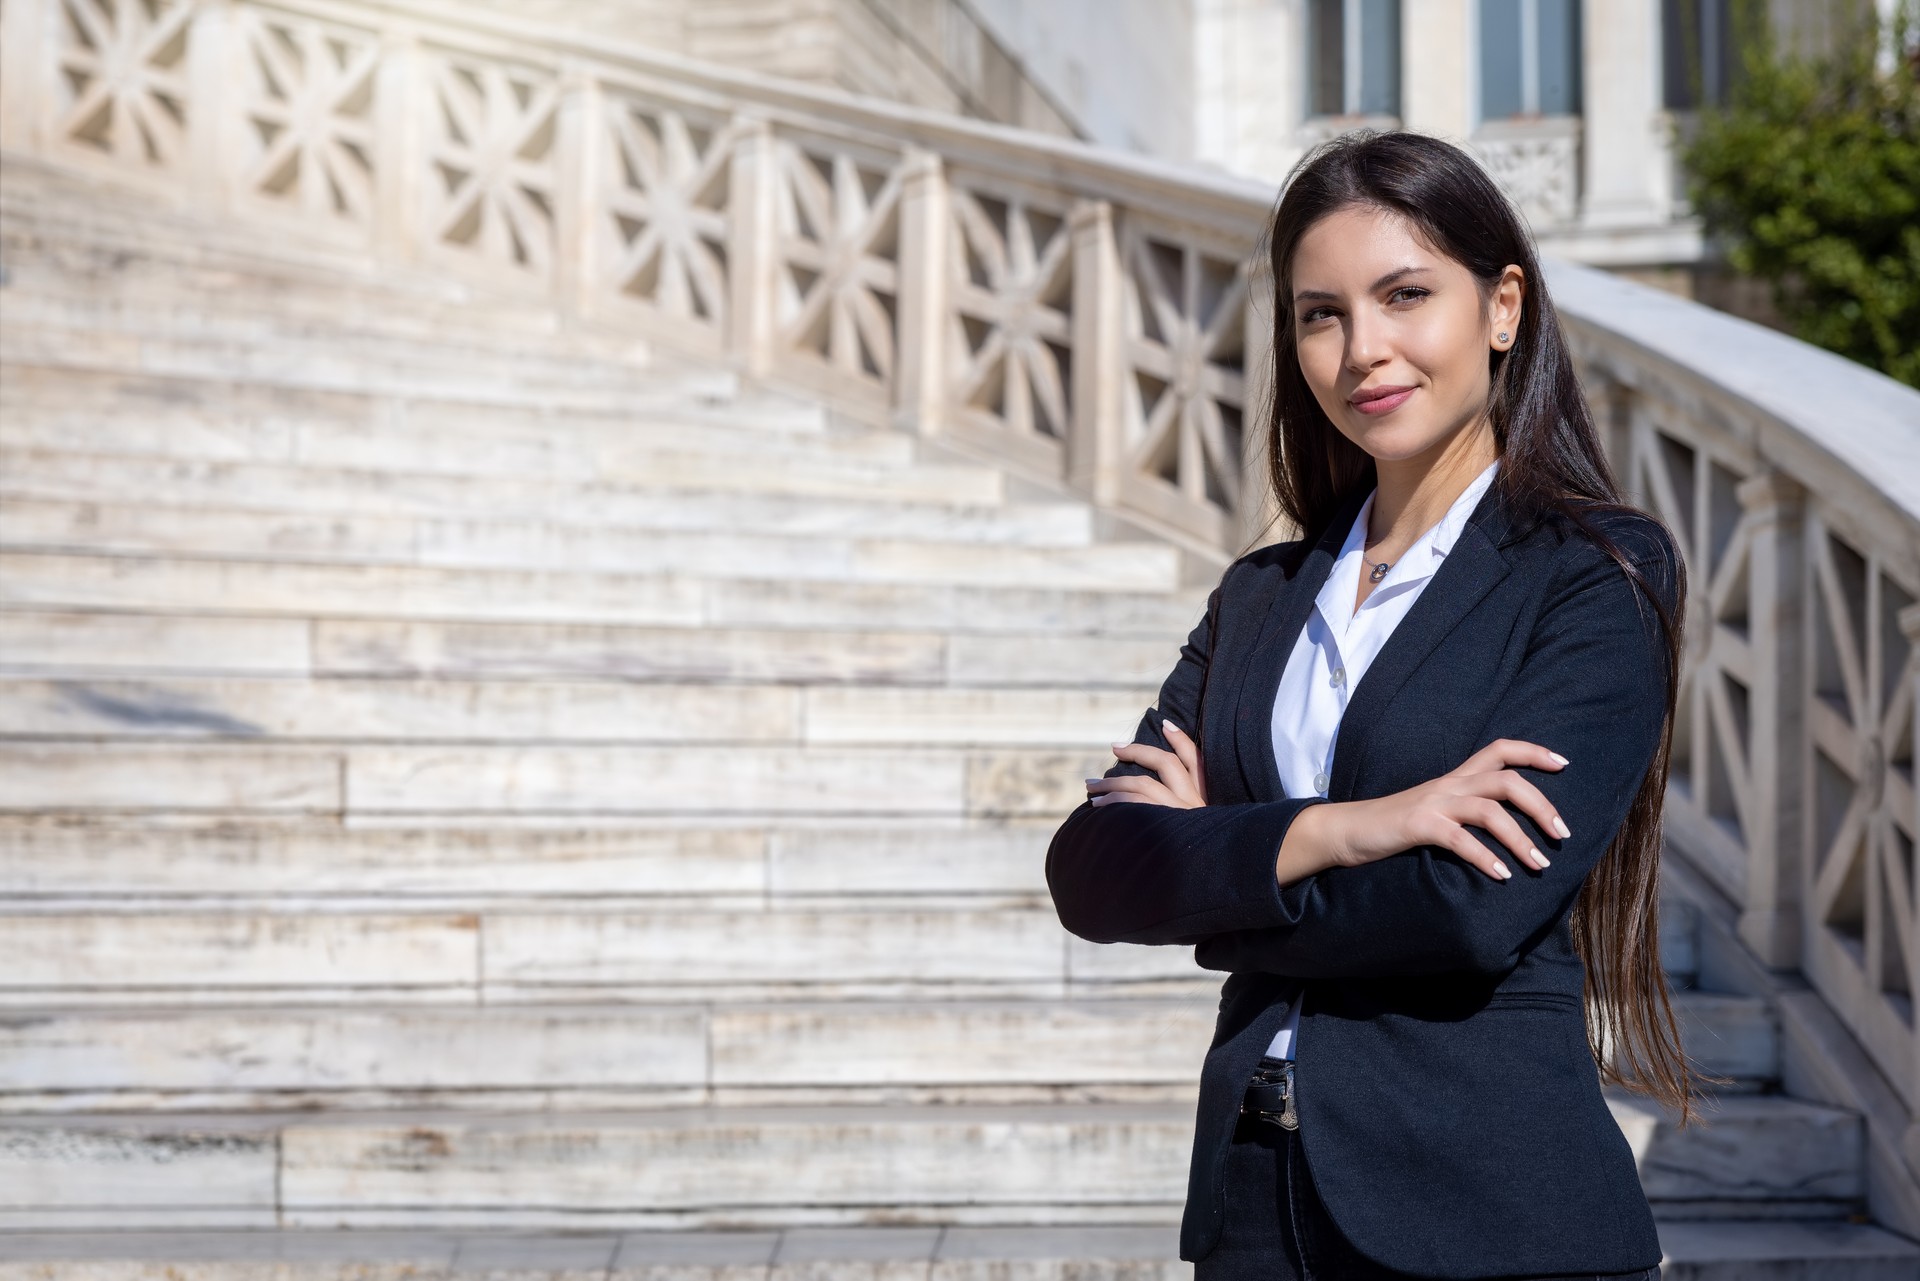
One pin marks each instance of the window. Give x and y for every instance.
(1699, 51)
(1529, 58)
(1354, 51)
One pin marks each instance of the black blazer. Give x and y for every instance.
(1450, 1109)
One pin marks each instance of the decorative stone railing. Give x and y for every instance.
(1090, 320)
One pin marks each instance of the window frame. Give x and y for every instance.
(1352, 63)
(1530, 66)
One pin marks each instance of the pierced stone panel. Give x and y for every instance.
(1695, 494)
(664, 222)
(837, 293)
(121, 89)
(1185, 343)
(1865, 679)
(307, 95)
(1009, 341)
(491, 152)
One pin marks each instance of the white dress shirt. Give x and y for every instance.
(1333, 652)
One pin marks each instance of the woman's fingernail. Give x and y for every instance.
(1556, 756)
(1560, 827)
(1506, 873)
(1538, 857)
(1170, 725)
(1118, 746)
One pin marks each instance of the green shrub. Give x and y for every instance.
(1811, 174)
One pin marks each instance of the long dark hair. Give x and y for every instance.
(1552, 467)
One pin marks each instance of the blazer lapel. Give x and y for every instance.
(1471, 568)
(1286, 615)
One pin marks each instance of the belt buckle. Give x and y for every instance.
(1287, 1118)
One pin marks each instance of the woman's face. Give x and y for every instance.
(1375, 307)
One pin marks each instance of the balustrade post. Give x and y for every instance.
(1095, 443)
(753, 247)
(920, 383)
(1770, 923)
(212, 107)
(25, 55)
(579, 190)
(399, 167)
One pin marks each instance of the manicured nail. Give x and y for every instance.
(1166, 724)
(1556, 756)
(1560, 827)
(1538, 857)
(1506, 873)
(1118, 746)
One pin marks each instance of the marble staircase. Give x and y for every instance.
(477, 791)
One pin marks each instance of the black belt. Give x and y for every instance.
(1270, 1094)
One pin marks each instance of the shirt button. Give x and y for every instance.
(1338, 678)
(1320, 782)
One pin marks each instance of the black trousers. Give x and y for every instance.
(1277, 1229)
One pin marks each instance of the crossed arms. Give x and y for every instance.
(1592, 686)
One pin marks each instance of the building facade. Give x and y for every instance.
(1578, 106)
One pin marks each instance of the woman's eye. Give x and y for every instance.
(1309, 317)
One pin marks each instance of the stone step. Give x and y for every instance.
(625, 468)
(683, 1168)
(667, 1168)
(46, 214)
(1108, 1252)
(526, 713)
(83, 245)
(130, 526)
(224, 418)
(1752, 1156)
(78, 644)
(316, 954)
(184, 318)
(315, 490)
(354, 779)
(1757, 1250)
(506, 1056)
(470, 866)
(40, 580)
(343, 492)
(1694, 1251)
(147, 281)
(319, 367)
(412, 437)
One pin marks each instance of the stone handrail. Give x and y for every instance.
(1090, 320)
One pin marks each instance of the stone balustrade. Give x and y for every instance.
(1092, 321)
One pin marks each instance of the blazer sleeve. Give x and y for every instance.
(1130, 872)
(1592, 686)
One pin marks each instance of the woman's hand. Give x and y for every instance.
(1437, 812)
(1181, 784)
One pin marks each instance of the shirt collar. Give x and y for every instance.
(1418, 562)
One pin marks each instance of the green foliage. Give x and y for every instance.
(1811, 174)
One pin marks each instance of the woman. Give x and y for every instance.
(1413, 812)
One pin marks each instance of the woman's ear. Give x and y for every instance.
(1503, 311)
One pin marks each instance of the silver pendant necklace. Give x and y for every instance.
(1379, 572)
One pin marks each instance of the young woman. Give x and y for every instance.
(1404, 784)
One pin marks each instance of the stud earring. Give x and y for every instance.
(1503, 337)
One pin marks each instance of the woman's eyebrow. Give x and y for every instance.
(1387, 279)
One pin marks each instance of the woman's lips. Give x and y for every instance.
(1385, 404)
